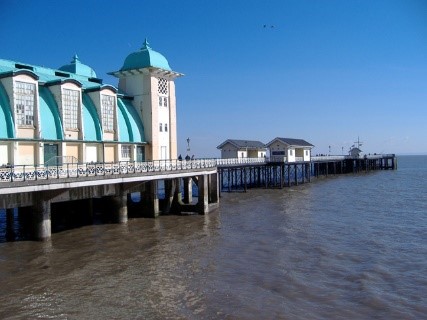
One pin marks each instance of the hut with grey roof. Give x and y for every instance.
(289, 150)
(234, 148)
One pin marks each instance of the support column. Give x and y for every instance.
(170, 186)
(282, 173)
(203, 203)
(296, 174)
(42, 229)
(188, 190)
(119, 208)
(214, 188)
(151, 199)
(177, 197)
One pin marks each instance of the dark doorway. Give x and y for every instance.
(51, 154)
(140, 154)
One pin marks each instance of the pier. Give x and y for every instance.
(33, 190)
(243, 173)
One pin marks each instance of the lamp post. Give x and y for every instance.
(187, 157)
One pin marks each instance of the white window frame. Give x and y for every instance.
(25, 103)
(108, 105)
(70, 108)
(126, 152)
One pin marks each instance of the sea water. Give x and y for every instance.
(342, 247)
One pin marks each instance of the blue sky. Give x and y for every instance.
(327, 71)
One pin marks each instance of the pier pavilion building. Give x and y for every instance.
(68, 115)
(289, 150)
(233, 148)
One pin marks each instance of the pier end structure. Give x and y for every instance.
(67, 123)
(33, 198)
(68, 115)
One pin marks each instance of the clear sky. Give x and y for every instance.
(327, 71)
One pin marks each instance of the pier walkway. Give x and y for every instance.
(32, 190)
(277, 172)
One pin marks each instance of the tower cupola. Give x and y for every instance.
(144, 58)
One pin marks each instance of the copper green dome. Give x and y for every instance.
(144, 58)
(79, 68)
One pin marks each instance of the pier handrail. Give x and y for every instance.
(91, 169)
(344, 157)
(231, 161)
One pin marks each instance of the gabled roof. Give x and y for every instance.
(291, 142)
(250, 144)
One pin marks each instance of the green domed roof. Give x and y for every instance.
(145, 57)
(79, 68)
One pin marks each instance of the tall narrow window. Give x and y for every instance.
(24, 103)
(126, 152)
(160, 128)
(108, 104)
(70, 108)
(166, 127)
(162, 90)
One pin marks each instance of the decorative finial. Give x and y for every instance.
(146, 45)
(75, 59)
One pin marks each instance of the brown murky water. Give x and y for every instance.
(343, 248)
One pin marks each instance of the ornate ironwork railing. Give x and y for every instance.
(73, 170)
(10, 173)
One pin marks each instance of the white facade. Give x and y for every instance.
(157, 107)
(231, 149)
(289, 150)
(68, 114)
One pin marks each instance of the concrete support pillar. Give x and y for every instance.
(119, 208)
(151, 199)
(214, 188)
(41, 219)
(188, 190)
(170, 187)
(203, 203)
